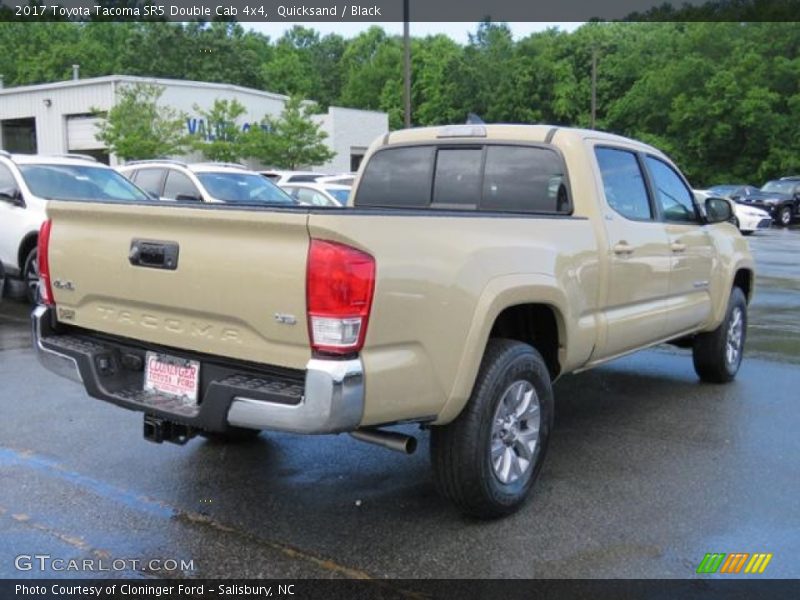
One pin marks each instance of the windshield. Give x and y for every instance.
(78, 182)
(784, 187)
(244, 188)
(340, 195)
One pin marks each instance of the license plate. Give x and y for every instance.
(170, 375)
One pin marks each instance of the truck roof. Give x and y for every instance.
(506, 132)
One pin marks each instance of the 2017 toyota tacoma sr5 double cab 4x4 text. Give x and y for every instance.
(474, 266)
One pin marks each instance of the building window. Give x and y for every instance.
(19, 135)
(356, 156)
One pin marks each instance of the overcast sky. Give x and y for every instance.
(457, 31)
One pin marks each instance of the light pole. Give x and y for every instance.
(594, 85)
(406, 65)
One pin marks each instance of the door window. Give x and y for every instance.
(7, 181)
(675, 199)
(149, 180)
(179, 184)
(623, 183)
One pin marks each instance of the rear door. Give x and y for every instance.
(13, 222)
(639, 255)
(222, 281)
(691, 249)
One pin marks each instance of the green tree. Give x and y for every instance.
(136, 127)
(290, 141)
(222, 139)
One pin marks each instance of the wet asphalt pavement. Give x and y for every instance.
(647, 471)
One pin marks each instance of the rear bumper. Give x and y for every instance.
(328, 397)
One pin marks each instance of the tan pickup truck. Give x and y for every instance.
(475, 266)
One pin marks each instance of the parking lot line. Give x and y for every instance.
(9, 457)
(26, 459)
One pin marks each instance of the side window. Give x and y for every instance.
(7, 181)
(149, 180)
(457, 182)
(320, 200)
(397, 178)
(307, 196)
(179, 184)
(623, 183)
(524, 180)
(675, 199)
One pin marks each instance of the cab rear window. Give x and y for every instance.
(398, 178)
(491, 177)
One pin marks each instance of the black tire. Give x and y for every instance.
(30, 276)
(462, 451)
(784, 216)
(711, 353)
(747, 233)
(232, 435)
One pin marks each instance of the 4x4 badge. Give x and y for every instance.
(63, 285)
(285, 319)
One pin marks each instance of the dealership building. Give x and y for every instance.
(57, 118)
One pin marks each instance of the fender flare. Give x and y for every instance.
(499, 294)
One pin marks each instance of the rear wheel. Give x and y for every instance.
(30, 274)
(785, 216)
(717, 354)
(488, 458)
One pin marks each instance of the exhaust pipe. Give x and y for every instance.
(399, 442)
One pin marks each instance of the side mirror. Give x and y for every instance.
(718, 210)
(12, 195)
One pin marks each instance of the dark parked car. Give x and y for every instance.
(775, 197)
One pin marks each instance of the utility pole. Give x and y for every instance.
(406, 64)
(594, 85)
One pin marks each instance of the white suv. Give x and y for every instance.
(230, 183)
(27, 183)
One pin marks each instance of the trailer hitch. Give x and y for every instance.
(158, 430)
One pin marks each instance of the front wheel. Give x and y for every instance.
(785, 216)
(717, 354)
(488, 458)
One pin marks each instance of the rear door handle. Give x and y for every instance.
(677, 247)
(623, 249)
(154, 254)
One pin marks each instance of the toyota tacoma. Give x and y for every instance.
(473, 267)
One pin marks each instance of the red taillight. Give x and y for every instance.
(340, 282)
(45, 289)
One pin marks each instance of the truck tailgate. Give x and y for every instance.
(237, 287)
